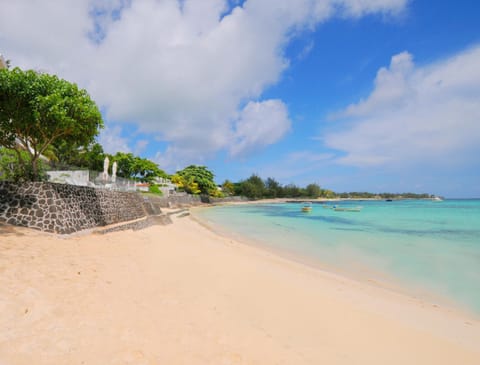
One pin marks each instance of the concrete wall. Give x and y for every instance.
(64, 209)
(78, 177)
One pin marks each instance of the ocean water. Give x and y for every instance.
(429, 249)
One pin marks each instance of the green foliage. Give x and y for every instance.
(38, 109)
(12, 170)
(134, 167)
(328, 194)
(292, 191)
(253, 187)
(154, 189)
(89, 157)
(217, 193)
(186, 184)
(228, 188)
(313, 191)
(196, 180)
(366, 195)
(273, 188)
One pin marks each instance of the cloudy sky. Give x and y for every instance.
(376, 95)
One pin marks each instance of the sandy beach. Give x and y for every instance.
(181, 294)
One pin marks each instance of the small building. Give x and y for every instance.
(166, 186)
(142, 186)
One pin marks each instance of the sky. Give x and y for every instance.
(354, 95)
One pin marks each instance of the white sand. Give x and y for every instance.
(180, 294)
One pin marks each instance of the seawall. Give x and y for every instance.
(65, 209)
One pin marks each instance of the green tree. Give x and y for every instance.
(201, 176)
(10, 168)
(292, 191)
(68, 156)
(186, 183)
(92, 157)
(134, 167)
(125, 164)
(273, 188)
(37, 109)
(313, 190)
(148, 170)
(228, 187)
(253, 187)
(329, 194)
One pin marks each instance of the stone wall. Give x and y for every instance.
(228, 199)
(187, 200)
(64, 209)
(176, 201)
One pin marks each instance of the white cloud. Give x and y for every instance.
(359, 8)
(308, 157)
(260, 124)
(140, 146)
(112, 141)
(180, 70)
(415, 115)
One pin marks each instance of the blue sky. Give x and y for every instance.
(375, 95)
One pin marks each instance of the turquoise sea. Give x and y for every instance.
(427, 249)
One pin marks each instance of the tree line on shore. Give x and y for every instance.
(49, 123)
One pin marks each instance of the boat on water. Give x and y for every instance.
(347, 209)
(307, 207)
(437, 199)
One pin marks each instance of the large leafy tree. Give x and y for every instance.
(273, 188)
(196, 176)
(70, 156)
(228, 188)
(38, 109)
(186, 183)
(134, 167)
(91, 157)
(253, 187)
(313, 190)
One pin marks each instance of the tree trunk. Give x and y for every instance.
(34, 176)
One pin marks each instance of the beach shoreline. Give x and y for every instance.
(183, 294)
(362, 273)
(369, 276)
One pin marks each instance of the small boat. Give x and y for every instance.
(347, 209)
(307, 207)
(388, 200)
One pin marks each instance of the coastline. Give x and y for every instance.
(183, 294)
(364, 275)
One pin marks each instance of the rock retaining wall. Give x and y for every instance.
(176, 201)
(64, 209)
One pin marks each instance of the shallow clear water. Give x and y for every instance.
(429, 248)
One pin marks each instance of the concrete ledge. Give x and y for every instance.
(149, 221)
